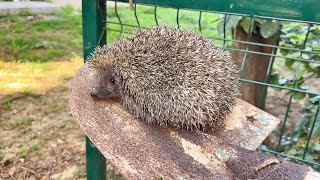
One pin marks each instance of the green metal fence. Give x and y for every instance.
(215, 19)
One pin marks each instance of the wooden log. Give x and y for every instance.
(142, 151)
(256, 65)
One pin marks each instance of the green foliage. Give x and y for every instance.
(17, 45)
(45, 44)
(269, 28)
(66, 19)
(23, 152)
(50, 24)
(266, 27)
(165, 16)
(24, 123)
(41, 39)
(297, 150)
(55, 37)
(79, 174)
(28, 93)
(230, 23)
(292, 38)
(309, 119)
(7, 102)
(248, 25)
(35, 147)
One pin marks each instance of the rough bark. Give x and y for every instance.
(255, 67)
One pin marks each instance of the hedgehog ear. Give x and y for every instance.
(110, 67)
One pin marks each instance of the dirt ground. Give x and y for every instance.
(40, 139)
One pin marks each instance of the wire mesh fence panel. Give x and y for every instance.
(278, 55)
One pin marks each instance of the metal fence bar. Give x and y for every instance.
(284, 122)
(246, 50)
(267, 45)
(135, 14)
(199, 21)
(244, 42)
(118, 17)
(96, 162)
(93, 16)
(177, 18)
(266, 79)
(310, 133)
(294, 10)
(119, 31)
(277, 86)
(291, 94)
(266, 54)
(129, 25)
(155, 15)
(224, 31)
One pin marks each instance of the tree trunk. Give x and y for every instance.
(255, 67)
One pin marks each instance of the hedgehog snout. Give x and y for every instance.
(94, 94)
(97, 93)
(103, 93)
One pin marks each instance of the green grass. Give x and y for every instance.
(6, 102)
(36, 149)
(58, 37)
(52, 38)
(165, 16)
(79, 174)
(27, 93)
(21, 123)
(23, 152)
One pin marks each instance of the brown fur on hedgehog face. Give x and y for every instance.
(108, 84)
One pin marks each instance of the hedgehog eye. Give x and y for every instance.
(112, 80)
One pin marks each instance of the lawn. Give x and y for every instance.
(58, 37)
(41, 38)
(35, 52)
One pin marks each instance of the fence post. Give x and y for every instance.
(93, 25)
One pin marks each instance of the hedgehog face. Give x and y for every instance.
(107, 85)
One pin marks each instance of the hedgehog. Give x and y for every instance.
(167, 76)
